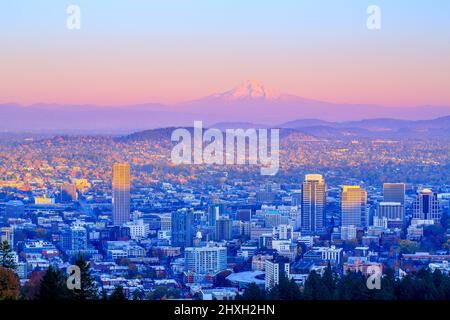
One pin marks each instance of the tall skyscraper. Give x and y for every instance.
(353, 206)
(213, 214)
(394, 192)
(182, 228)
(215, 210)
(224, 228)
(121, 193)
(313, 203)
(426, 206)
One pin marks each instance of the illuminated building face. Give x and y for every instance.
(121, 193)
(353, 206)
(313, 203)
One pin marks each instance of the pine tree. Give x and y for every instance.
(104, 295)
(426, 288)
(274, 293)
(294, 292)
(329, 279)
(88, 288)
(388, 284)
(6, 256)
(285, 290)
(405, 290)
(253, 292)
(53, 285)
(118, 294)
(138, 294)
(438, 281)
(314, 288)
(352, 286)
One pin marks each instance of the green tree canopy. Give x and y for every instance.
(54, 286)
(118, 294)
(7, 256)
(88, 289)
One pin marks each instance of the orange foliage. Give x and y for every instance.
(9, 285)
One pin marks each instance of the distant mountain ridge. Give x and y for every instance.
(380, 123)
(387, 128)
(311, 129)
(249, 102)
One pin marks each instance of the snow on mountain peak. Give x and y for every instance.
(250, 90)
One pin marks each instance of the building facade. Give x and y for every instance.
(274, 271)
(182, 224)
(204, 260)
(353, 206)
(121, 193)
(313, 204)
(426, 206)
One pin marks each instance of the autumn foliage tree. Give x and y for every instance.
(30, 290)
(9, 285)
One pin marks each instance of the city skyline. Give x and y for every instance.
(224, 150)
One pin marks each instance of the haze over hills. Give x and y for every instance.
(249, 102)
(311, 129)
(374, 128)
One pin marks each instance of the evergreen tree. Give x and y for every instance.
(118, 294)
(253, 292)
(352, 286)
(88, 288)
(294, 292)
(173, 293)
(138, 294)
(329, 280)
(285, 290)
(315, 288)
(405, 290)
(54, 286)
(438, 282)
(273, 293)
(388, 284)
(104, 295)
(159, 293)
(6, 256)
(426, 290)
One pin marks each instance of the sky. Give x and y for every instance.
(167, 51)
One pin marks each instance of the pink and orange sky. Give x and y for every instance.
(171, 51)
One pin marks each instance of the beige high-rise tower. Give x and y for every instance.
(121, 193)
(313, 203)
(353, 206)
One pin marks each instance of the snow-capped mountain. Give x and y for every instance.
(249, 101)
(248, 90)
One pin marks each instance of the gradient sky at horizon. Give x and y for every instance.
(167, 51)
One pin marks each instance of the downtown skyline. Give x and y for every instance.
(236, 152)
